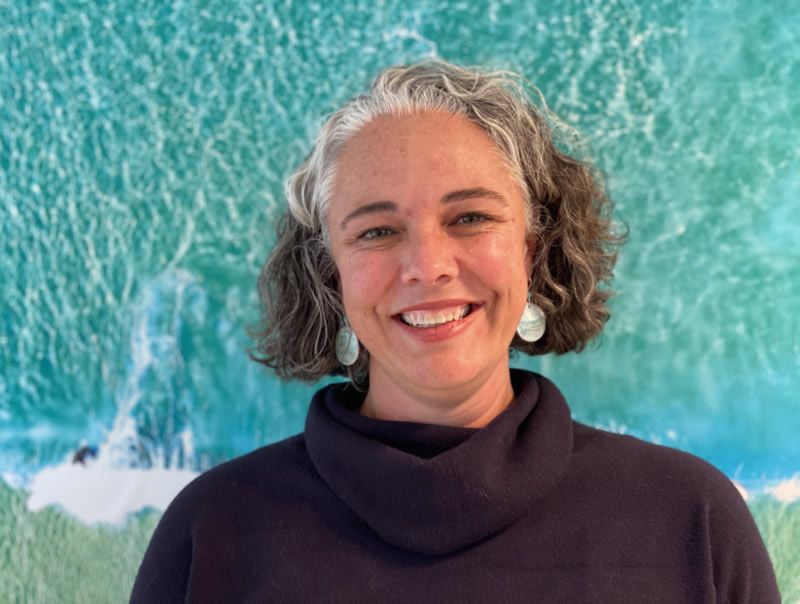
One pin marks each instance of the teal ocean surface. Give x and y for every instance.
(143, 146)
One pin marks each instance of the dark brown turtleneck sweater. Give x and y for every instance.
(531, 508)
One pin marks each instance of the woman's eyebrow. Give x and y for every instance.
(453, 196)
(369, 208)
(473, 193)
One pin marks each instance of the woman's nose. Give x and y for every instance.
(429, 258)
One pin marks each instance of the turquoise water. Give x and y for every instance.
(142, 151)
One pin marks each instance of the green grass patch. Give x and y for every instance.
(779, 524)
(47, 556)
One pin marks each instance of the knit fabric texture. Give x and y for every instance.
(533, 507)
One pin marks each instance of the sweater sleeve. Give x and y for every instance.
(743, 572)
(164, 572)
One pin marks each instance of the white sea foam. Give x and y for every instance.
(14, 480)
(786, 491)
(97, 493)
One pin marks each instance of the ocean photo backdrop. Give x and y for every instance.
(143, 147)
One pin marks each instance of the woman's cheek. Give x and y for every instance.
(498, 252)
(364, 278)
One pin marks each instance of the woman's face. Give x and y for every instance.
(428, 233)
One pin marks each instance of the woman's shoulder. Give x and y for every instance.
(257, 473)
(632, 459)
(667, 505)
(665, 487)
(228, 499)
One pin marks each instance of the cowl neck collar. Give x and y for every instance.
(434, 489)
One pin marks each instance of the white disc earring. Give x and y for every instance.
(532, 324)
(346, 345)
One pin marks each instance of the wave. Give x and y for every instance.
(136, 467)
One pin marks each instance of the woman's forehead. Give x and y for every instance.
(425, 152)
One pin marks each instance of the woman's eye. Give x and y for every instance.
(474, 218)
(376, 233)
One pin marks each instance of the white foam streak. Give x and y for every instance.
(786, 491)
(101, 494)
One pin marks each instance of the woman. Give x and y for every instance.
(434, 226)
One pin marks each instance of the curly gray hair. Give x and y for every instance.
(569, 215)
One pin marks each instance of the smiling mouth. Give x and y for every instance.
(426, 319)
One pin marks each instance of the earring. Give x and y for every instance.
(346, 345)
(533, 322)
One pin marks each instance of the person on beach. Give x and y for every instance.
(436, 225)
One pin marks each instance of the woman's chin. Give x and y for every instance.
(437, 373)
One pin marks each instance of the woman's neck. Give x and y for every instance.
(470, 405)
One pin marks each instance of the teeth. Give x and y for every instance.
(427, 318)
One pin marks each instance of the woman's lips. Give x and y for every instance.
(438, 304)
(441, 331)
(433, 318)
